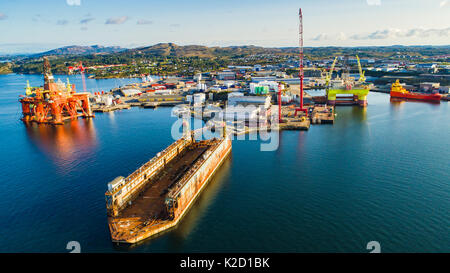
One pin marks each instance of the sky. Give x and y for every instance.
(35, 26)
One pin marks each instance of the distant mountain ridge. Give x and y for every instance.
(173, 50)
(80, 50)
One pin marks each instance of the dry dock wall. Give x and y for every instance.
(129, 188)
(197, 177)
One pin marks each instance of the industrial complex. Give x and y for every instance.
(239, 99)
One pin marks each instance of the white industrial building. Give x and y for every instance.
(163, 92)
(130, 92)
(235, 94)
(226, 75)
(273, 86)
(196, 99)
(201, 86)
(444, 89)
(228, 84)
(250, 100)
(428, 86)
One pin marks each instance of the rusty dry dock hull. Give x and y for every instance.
(167, 192)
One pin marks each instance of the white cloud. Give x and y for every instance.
(341, 36)
(144, 22)
(62, 22)
(324, 36)
(383, 34)
(73, 2)
(116, 20)
(443, 3)
(373, 2)
(320, 37)
(86, 20)
(397, 33)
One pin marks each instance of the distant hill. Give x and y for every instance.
(173, 50)
(80, 50)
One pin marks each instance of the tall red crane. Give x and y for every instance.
(300, 73)
(279, 103)
(80, 68)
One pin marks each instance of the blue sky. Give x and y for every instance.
(33, 26)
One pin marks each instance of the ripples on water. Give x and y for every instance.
(379, 173)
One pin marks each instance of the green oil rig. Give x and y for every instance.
(339, 89)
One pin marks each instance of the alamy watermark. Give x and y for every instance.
(374, 246)
(74, 247)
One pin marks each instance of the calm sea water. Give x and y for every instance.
(378, 174)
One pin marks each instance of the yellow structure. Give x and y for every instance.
(347, 85)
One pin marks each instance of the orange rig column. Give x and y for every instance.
(55, 102)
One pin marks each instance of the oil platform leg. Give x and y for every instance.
(362, 100)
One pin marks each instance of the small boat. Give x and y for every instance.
(397, 91)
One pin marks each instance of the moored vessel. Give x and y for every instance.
(398, 91)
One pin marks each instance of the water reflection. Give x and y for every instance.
(112, 119)
(301, 142)
(400, 101)
(66, 143)
(359, 113)
(396, 107)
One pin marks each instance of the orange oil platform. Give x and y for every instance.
(55, 102)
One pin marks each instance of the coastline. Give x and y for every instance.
(59, 74)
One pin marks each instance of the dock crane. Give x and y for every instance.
(362, 78)
(330, 74)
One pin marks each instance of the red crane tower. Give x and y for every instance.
(83, 77)
(300, 73)
(279, 104)
(80, 68)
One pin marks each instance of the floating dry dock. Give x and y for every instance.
(156, 196)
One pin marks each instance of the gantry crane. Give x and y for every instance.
(362, 78)
(330, 74)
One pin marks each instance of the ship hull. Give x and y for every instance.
(416, 96)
